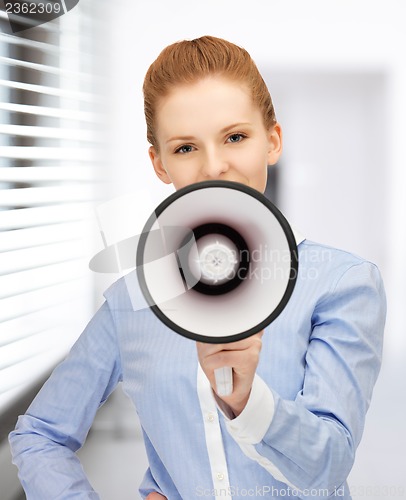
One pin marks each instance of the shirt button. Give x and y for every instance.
(210, 417)
(220, 476)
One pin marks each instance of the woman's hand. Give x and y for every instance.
(242, 356)
(155, 496)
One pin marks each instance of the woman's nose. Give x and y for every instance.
(214, 165)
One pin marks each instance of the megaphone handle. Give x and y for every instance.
(224, 380)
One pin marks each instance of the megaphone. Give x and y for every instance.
(217, 262)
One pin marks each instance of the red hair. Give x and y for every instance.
(188, 61)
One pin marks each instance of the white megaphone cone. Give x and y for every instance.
(225, 273)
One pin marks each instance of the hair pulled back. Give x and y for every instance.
(188, 61)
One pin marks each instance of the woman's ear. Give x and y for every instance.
(158, 166)
(275, 144)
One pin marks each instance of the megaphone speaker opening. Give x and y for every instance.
(216, 259)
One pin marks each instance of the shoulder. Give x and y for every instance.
(329, 259)
(125, 294)
(331, 271)
(311, 251)
(326, 269)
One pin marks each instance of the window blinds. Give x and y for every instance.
(50, 152)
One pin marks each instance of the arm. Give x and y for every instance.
(310, 442)
(56, 424)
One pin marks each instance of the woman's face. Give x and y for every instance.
(212, 130)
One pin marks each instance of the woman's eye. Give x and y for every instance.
(236, 138)
(184, 149)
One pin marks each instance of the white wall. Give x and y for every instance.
(332, 182)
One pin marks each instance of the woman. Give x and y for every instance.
(301, 387)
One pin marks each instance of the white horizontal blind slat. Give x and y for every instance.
(47, 174)
(37, 216)
(35, 279)
(52, 91)
(69, 114)
(46, 48)
(43, 68)
(34, 257)
(46, 153)
(39, 236)
(48, 133)
(45, 195)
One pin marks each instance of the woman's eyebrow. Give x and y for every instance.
(181, 138)
(233, 126)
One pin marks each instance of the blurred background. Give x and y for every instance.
(72, 137)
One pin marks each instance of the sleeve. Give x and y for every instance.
(56, 424)
(149, 485)
(310, 442)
